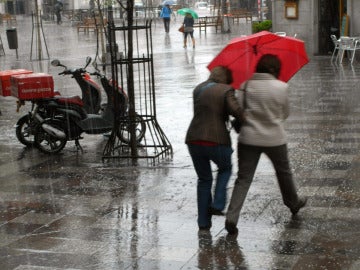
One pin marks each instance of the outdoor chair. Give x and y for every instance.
(348, 44)
(336, 43)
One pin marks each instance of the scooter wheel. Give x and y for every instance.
(124, 130)
(48, 143)
(25, 129)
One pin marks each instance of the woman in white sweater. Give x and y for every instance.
(266, 105)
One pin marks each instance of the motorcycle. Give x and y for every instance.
(70, 120)
(91, 93)
(91, 98)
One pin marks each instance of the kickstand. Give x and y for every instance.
(78, 146)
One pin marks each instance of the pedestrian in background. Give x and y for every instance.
(266, 107)
(189, 29)
(208, 139)
(58, 8)
(92, 6)
(166, 14)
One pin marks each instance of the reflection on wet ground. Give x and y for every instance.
(71, 211)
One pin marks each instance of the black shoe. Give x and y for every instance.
(231, 228)
(204, 228)
(301, 204)
(215, 212)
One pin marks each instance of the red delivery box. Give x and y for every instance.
(5, 87)
(32, 86)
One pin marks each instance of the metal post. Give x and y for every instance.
(101, 33)
(132, 115)
(14, 6)
(259, 10)
(38, 29)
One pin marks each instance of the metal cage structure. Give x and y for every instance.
(132, 67)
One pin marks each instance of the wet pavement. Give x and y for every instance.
(72, 211)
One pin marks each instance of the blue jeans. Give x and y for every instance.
(201, 157)
(166, 24)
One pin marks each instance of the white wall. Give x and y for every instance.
(353, 10)
(81, 4)
(305, 27)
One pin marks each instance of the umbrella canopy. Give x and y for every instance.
(183, 11)
(168, 2)
(242, 54)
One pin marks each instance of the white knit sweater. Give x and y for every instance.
(266, 108)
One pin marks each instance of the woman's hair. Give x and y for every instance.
(269, 63)
(221, 74)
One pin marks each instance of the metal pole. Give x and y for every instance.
(101, 33)
(38, 29)
(259, 10)
(14, 6)
(132, 115)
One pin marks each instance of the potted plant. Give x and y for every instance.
(258, 26)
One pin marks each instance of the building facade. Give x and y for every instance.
(26, 7)
(315, 20)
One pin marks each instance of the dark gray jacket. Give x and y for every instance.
(213, 103)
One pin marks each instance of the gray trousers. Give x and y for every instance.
(248, 158)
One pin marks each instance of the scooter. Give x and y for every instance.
(91, 98)
(91, 91)
(71, 120)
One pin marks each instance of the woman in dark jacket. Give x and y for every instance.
(58, 8)
(208, 139)
(189, 29)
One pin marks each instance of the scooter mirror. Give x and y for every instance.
(55, 63)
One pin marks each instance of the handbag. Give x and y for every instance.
(181, 29)
(235, 123)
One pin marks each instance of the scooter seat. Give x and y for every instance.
(76, 100)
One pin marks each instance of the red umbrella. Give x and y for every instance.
(242, 54)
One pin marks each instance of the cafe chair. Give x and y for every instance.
(282, 34)
(336, 43)
(350, 45)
